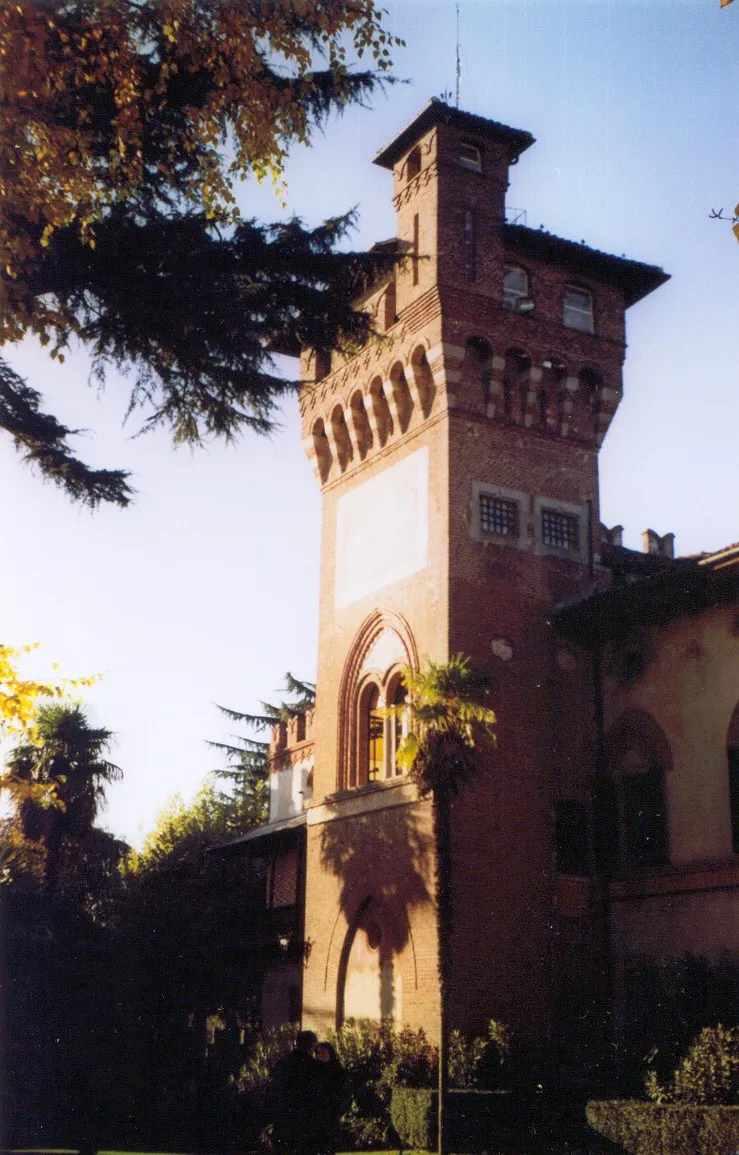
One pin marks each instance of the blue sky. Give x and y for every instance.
(206, 590)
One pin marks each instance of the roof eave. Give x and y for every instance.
(437, 112)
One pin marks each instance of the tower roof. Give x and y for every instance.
(437, 112)
(634, 278)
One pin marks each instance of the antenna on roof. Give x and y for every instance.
(459, 64)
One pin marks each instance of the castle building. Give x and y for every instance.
(457, 457)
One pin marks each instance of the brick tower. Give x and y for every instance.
(457, 458)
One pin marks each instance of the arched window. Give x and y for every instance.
(732, 754)
(370, 683)
(630, 807)
(375, 736)
(398, 727)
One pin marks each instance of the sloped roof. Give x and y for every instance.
(437, 112)
(635, 279)
(686, 586)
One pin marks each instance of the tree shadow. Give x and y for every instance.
(383, 861)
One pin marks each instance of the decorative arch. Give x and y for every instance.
(516, 379)
(383, 644)
(369, 983)
(401, 395)
(381, 410)
(423, 378)
(633, 811)
(477, 369)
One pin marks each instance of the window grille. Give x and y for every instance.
(498, 515)
(560, 530)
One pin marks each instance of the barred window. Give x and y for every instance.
(560, 530)
(498, 515)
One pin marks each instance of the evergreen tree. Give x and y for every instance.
(124, 127)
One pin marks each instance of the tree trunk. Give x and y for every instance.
(444, 917)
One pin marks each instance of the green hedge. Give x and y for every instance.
(473, 1117)
(666, 1129)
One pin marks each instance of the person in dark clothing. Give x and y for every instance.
(333, 1099)
(293, 1094)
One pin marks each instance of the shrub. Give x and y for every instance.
(672, 1129)
(472, 1118)
(267, 1047)
(707, 1075)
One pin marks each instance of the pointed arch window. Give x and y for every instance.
(398, 724)
(375, 760)
(630, 804)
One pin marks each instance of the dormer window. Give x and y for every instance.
(578, 309)
(469, 157)
(515, 286)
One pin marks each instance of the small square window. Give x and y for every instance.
(578, 310)
(515, 286)
(469, 157)
(498, 515)
(560, 530)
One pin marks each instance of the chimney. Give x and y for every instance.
(660, 546)
(613, 536)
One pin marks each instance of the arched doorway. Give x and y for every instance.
(370, 985)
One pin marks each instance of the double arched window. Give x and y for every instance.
(372, 719)
(383, 724)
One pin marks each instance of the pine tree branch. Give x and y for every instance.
(42, 442)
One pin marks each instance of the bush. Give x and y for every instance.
(268, 1046)
(670, 1129)
(472, 1118)
(667, 1003)
(379, 1058)
(707, 1075)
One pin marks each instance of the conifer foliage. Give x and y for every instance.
(125, 126)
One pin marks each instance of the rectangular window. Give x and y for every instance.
(578, 310)
(469, 157)
(560, 530)
(734, 797)
(498, 515)
(515, 286)
(415, 248)
(469, 245)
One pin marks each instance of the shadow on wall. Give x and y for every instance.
(383, 860)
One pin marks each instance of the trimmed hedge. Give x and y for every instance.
(473, 1118)
(666, 1129)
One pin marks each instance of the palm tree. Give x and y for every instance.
(68, 756)
(448, 723)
